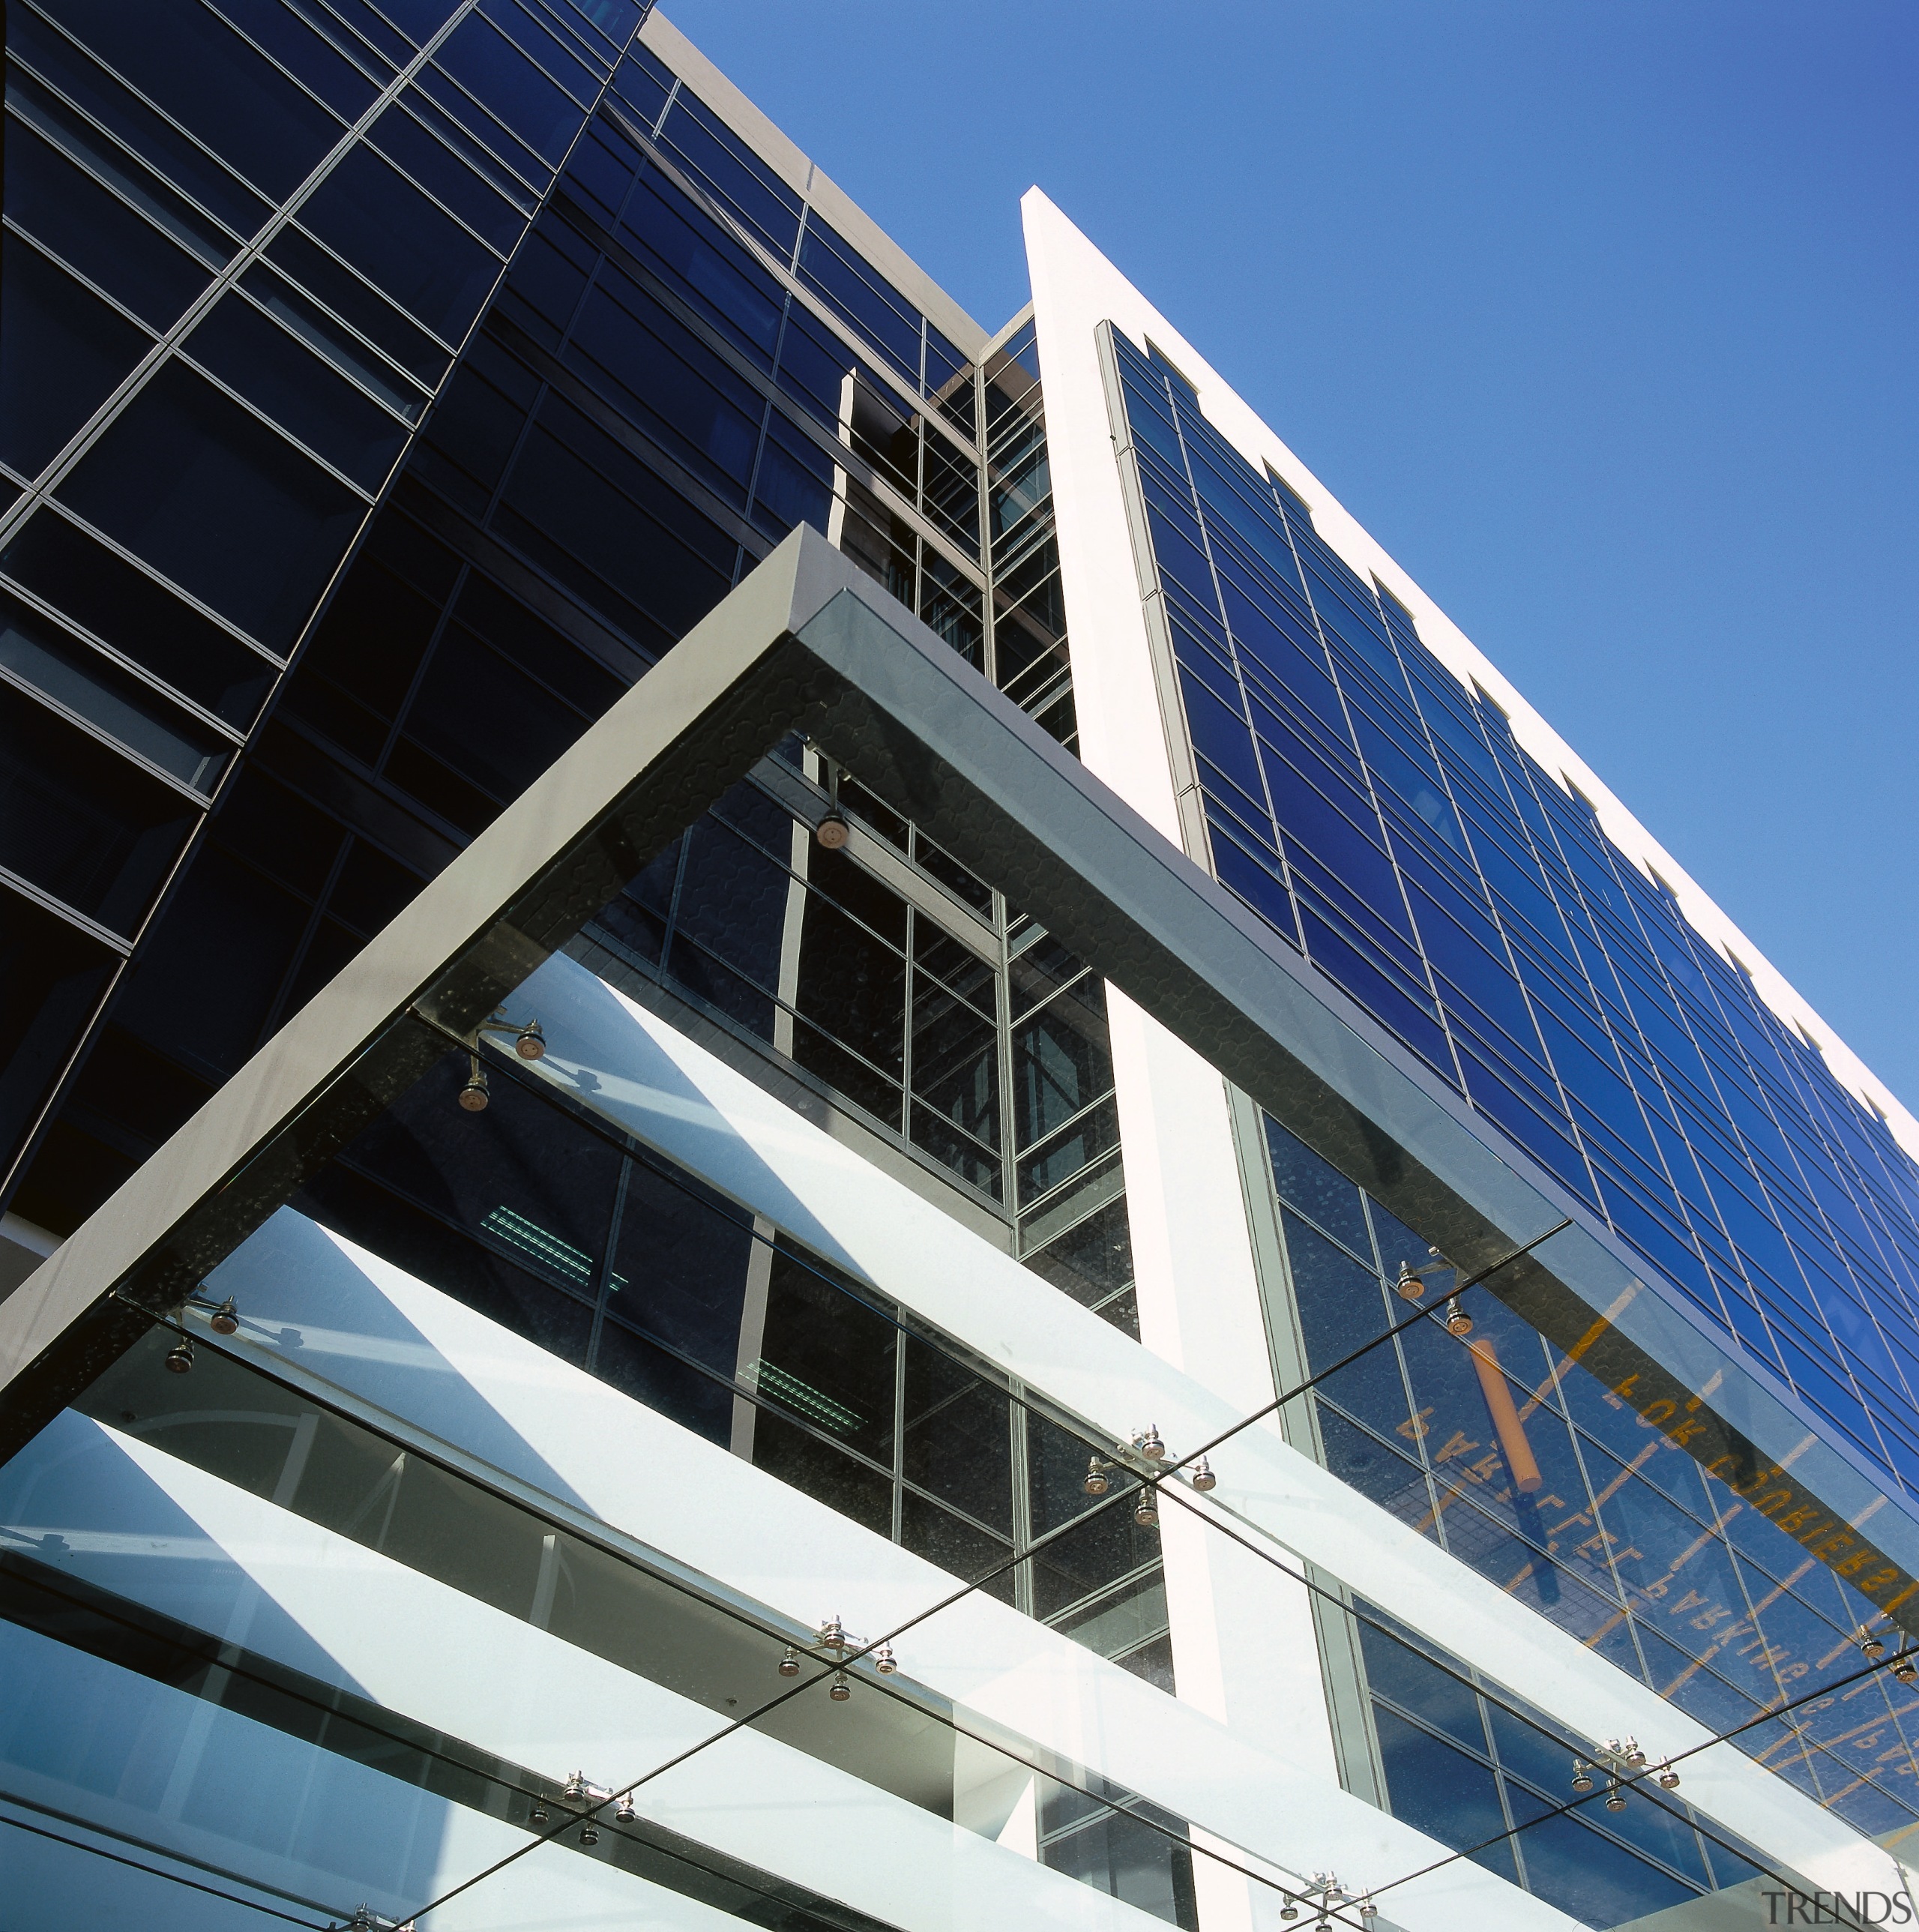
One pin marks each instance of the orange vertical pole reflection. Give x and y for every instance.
(1498, 1394)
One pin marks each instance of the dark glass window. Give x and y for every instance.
(795, 484)
(80, 822)
(207, 980)
(214, 499)
(536, 40)
(368, 214)
(176, 158)
(203, 74)
(106, 595)
(51, 978)
(722, 164)
(501, 77)
(239, 344)
(37, 652)
(642, 84)
(859, 294)
(716, 275)
(97, 233)
(62, 352)
(304, 54)
(329, 338)
(445, 176)
(352, 300)
(682, 394)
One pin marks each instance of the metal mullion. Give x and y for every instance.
(844, 457)
(603, 1273)
(898, 1471)
(342, 25)
(396, 728)
(253, 302)
(534, 61)
(871, 359)
(908, 1097)
(45, 250)
(559, 26)
(340, 262)
(402, 377)
(369, 497)
(273, 61)
(316, 913)
(152, 107)
(370, 140)
(421, 106)
(47, 902)
(85, 164)
(158, 686)
(577, 392)
(486, 114)
(63, 464)
(186, 596)
(81, 722)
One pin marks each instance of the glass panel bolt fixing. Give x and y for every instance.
(833, 1642)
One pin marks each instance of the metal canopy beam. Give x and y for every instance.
(807, 644)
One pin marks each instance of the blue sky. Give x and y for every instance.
(1601, 317)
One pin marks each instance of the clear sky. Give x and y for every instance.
(1602, 317)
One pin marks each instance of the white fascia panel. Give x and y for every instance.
(396, 1343)
(1075, 288)
(419, 1355)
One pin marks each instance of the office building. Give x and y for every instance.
(812, 1118)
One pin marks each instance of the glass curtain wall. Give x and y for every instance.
(1502, 1449)
(685, 360)
(244, 244)
(1383, 819)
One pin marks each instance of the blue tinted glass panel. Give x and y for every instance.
(331, 337)
(175, 157)
(642, 84)
(215, 499)
(78, 820)
(218, 88)
(858, 294)
(352, 300)
(37, 652)
(1661, 1089)
(51, 976)
(106, 595)
(304, 54)
(389, 231)
(713, 274)
(97, 233)
(105, 158)
(255, 355)
(447, 178)
(722, 164)
(502, 79)
(62, 351)
(537, 41)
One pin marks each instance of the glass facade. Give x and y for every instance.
(1510, 1456)
(245, 245)
(618, 1261)
(687, 358)
(386, 387)
(1382, 818)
